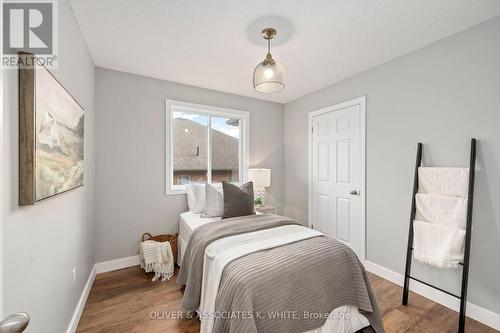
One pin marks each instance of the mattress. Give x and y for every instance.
(189, 221)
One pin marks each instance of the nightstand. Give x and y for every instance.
(266, 209)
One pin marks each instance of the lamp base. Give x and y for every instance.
(260, 195)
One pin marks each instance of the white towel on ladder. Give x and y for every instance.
(440, 217)
(441, 209)
(444, 181)
(438, 245)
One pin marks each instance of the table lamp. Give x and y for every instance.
(261, 179)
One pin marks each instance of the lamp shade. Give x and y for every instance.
(261, 178)
(269, 76)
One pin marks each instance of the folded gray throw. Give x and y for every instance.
(308, 278)
(191, 272)
(312, 276)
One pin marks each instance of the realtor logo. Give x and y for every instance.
(30, 26)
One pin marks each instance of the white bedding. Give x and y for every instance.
(189, 221)
(219, 253)
(224, 250)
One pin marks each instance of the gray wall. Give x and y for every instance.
(130, 157)
(1, 182)
(441, 95)
(42, 243)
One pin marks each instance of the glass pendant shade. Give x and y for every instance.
(269, 75)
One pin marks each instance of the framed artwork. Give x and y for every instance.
(51, 135)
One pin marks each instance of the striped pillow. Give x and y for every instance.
(214, 202)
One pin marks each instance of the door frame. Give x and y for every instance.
(361, 101)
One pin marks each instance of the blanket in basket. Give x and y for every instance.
(157, 257)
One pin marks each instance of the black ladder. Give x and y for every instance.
(468, 232)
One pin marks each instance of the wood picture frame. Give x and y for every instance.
(51, 135)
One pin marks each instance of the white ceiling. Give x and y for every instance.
(216, 43)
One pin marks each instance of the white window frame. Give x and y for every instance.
(172, 106)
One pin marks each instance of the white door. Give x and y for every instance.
(336, 204)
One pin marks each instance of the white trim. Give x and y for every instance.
(209, 151)
(475, 312)
(244, 149)
(113, 265)
(100, 267)
(361, 101)
(73, 324)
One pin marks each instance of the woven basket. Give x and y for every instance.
(172, 239)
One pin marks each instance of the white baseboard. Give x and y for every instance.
(73, 324)
(113, 265)
(475, 312)
(100, 267)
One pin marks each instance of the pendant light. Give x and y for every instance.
(269, 75)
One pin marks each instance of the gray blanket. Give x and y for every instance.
(191, 272)
(308, 279)
(291, 288)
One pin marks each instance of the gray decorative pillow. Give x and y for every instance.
(214, 202)
(238, 201)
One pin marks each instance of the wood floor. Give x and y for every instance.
(127, 301)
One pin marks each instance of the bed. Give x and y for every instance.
(233, 245)
(189, 221)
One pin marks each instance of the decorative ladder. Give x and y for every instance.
(468, 232)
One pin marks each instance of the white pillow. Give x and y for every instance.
(196, 197)
(214, 202)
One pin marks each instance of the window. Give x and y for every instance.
(184, 179)
(205, 144)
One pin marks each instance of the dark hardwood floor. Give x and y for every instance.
(127, 301)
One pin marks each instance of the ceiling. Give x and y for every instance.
(217, 44)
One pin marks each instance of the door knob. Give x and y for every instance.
(354, 192)
(15, 323)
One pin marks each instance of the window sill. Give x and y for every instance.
(170, 192)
